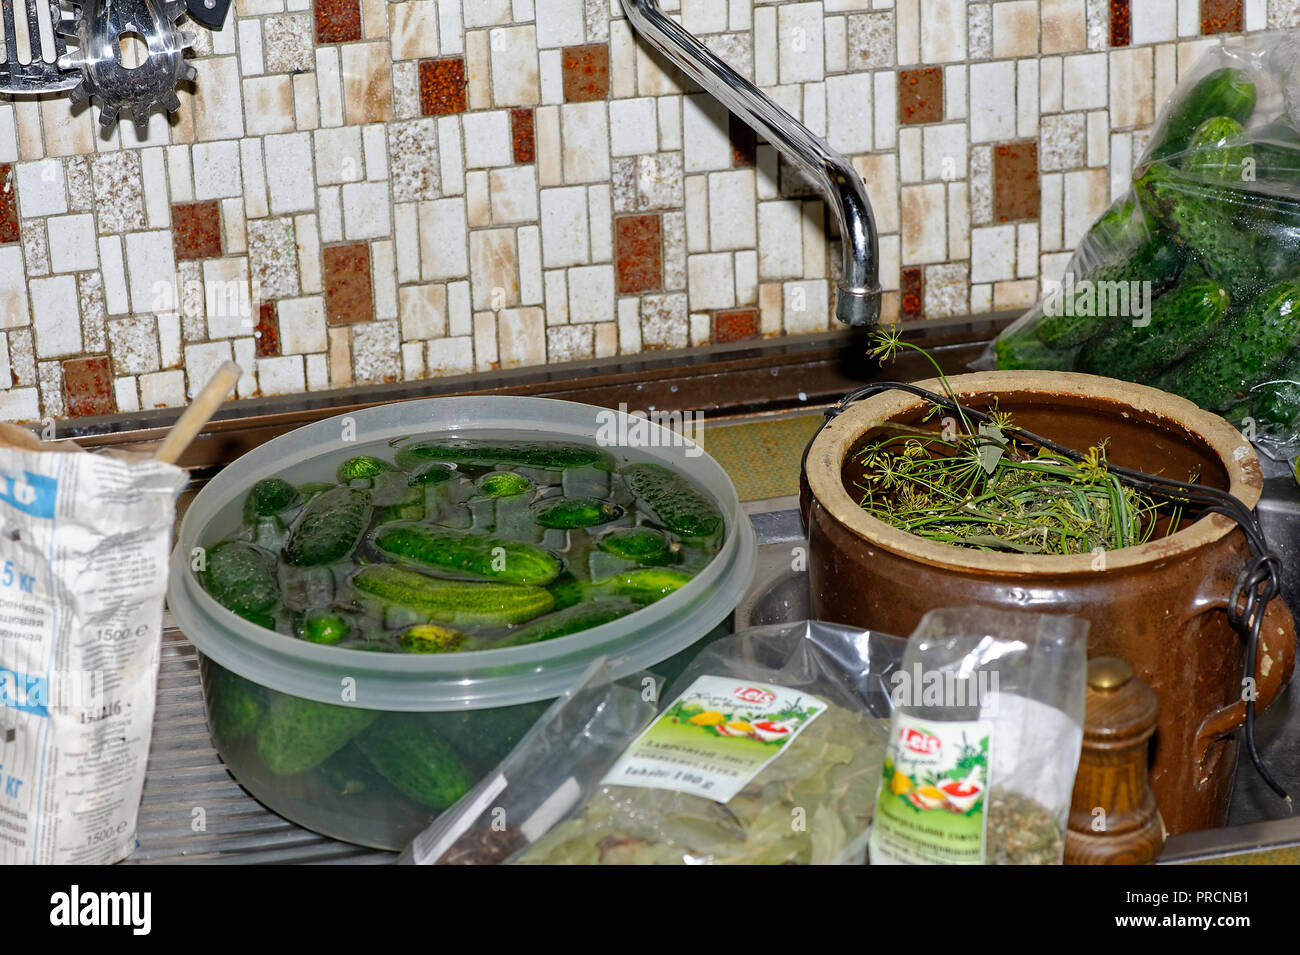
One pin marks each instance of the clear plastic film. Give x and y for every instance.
(767, 749)
(1190, 282)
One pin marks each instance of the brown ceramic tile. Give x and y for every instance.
(735, 325)
(442, 86)
(1221, 16)
(920, 95)
(586, 72)
(521, 134)
(910, 304)
(744, 142)
(88, 386)
(1015, 181)
(638, 261)
(8, 205)
(1121, 18)
(348, 296)
(338, 21)
(267, 332)
(196, 229)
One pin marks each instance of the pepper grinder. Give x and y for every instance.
(1113, 814)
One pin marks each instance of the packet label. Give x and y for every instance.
(930, 808)
(716, 737)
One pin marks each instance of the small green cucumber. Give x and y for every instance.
(503, 484)
(429, 474)
(1224, 92)
(567, 590)
(582, 616)
(673, 501)
(361, 467)
(457, 603)
(1221, 372)
(1179, 321)
(645, 585)
(1216, 152)
(322, 626)
(269, 497)
(328, 528)
(235, 704)
(430, 638)
(1022, 348)
(297, 735)
(468, 452)
(415, 761)
(241, 577)
(640, 544)
(567, 513)
(467, 552)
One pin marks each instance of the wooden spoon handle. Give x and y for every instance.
(204, 406)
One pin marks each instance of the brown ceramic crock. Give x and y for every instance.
(1159, 606)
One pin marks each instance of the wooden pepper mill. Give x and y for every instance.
(1113, 816)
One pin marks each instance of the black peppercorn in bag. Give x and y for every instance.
(984, 741)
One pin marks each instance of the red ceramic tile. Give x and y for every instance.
(8, 204)
(638, 261)
(1221, 16)
(348, 295)
(267, 332)
(196, 229)
(338, 21)
(585, 71)
(744, 142)
(1015, 181)
(735, 325)
(88, 386)
(1121, 19)
(442, 86)
(521, 135)
(910, 304)
(920, 95)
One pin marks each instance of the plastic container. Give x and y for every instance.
(482, 700)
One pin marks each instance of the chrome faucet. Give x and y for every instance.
(857, 299)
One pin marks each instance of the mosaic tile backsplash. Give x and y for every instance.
(362, 191)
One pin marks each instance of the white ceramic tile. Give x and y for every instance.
(705, 129)
(1027, 99)
(459, 312)
(289, 176)
(515, 80)
(622, 61)
(557, 297)
(125, 394)
(450, 356)
(1132, 87)
(338, 155)
(886, 109)
(806, 307)
(329, 209)
(116, 298)
(990, 119)
(254, 175)
(164, 389)
(802, 42)
(943, 31)
(442, 250)
(302, 325)
(697, 214)
(945, 151)
(551, 77)
(1255, 15)
(732, 210)
(910, 160)
(766, 52)
(234, 226)
(704, 16)
(19, 404)
(1084, 80)
(954, 92)
(1049, 211)
(318, 375)
(513, 194)
(366, 213)
(559, 23)
(907, 31)
(451, 32)
(1015, 28)
(522, 337)
(1087, 193)
(227, 297)
(217, 170)
(993, 253)
(424, 311)
(494, 269)
(550, 158)
(711, 280)
(564, 226)
(1049, 84)
(837, 40)
(958, 221)
(880, 172)
(250, 47)
(413, 26)
(451, 157)
(1121, 163)
(152, 271)
(632, 127)
(530, 266)
(813, 227)
(487, 139)
(1189, 17)
(629, 325)
(599, 201)
(1026, 250)
(1098, 138)
(1153, 21)
(923, 214)
(406, 227)
(8, 134)
(478, 203)
(53, 300)
(485, 341)
(73, 247)
(585, 127)
(591, 294)
(746, 266)
(848, 112)
(741, 15)
(41, 188)
(201, 363)
(218, 113)
(283, 375)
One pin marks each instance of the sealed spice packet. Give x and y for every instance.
(984, 740)
(767, 750)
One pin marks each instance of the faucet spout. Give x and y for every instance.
(857, 298)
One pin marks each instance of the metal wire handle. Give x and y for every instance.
(1255, 587)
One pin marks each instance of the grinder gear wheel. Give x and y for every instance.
(100, 27)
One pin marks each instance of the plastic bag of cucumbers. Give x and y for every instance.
(766, 750)
(1191, 281)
